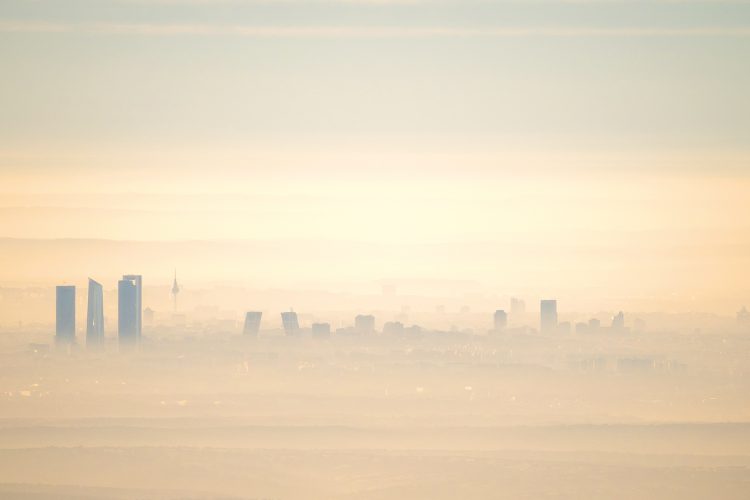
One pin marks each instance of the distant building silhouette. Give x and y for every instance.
(364, 324)
(175, 290)
(346, 331)
(137, 280)
(393, 328)
(149, 315)
(129, 310)
(65, 314)
(321, 330)
(594, 325)
(290, 322)
(548, 316)
(95, 315)
(252, 323)
(500, 320)
(517, 307)
(413, 331)
(618, 322)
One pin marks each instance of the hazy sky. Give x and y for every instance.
(624, 124)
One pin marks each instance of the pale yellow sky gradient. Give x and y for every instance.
(558, 147)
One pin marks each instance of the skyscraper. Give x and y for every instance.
(548, 316)
(618, 322)
(95, 315)
(252, 323)
(500, 320)
(364, 324)
(517, 307)
(137, 280)
(65, 314)
(128, 317)
(289, 320)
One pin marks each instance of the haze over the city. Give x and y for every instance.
(374, 249)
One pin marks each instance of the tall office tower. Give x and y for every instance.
(364, 324)
(618, 322)
(95, 315)
(517, 307)
(137, 280)
(548, 316)
(127, 312)
(501, 320)
(289, 320)
(252, 323)
(65, 314)
(321, 330)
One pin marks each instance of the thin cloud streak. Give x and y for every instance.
(362, 31)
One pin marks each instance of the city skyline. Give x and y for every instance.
(375, 249)
(130, 312)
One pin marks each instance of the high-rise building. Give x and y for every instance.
(517, 307)
(252, 323)
(364, 324)
(137, 281)
(548, 316)
(501, 320)
(618, 322)
(127, 312)
(65, 314)
(321, 330)
(95, 315)
(290, 322)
